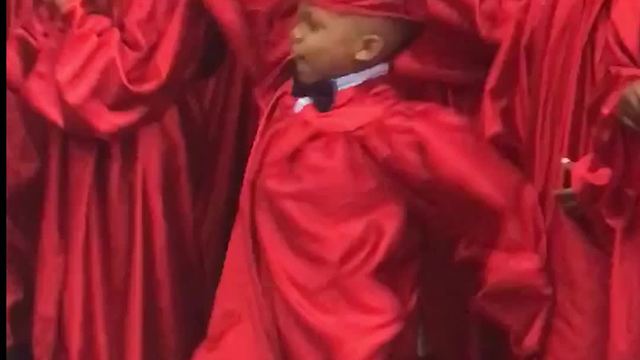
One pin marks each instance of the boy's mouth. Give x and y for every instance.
(297, 57)
(302, 69)
(301, 63)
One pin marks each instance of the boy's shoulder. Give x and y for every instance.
(419, 113)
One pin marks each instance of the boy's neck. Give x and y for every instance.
(338, 84)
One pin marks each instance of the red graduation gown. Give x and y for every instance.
(118, 272)
(552, 84)
(337, 213)
(219, 119)
(228, 106)
(450, 59)
(257, 31)
(24, 167)
(624, 336)
(25, 142)
(607, 183)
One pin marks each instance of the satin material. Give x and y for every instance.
(450, 59)
(220, 118)
(338, 212)
(24, 169)
(413, 10)
(258, 33)
(120, 267)
(612, 205)
(552, 85)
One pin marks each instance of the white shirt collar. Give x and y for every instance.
(348, 81)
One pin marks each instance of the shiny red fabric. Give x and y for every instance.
(553, 83)
(258, 33)
(24, 168)
(607, 182)
(119, 272)
(337, 214)
(455, 50)
(413, 10)
(219, 120)
(25, 141)
(459, 40)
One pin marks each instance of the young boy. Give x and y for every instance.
(348, 189)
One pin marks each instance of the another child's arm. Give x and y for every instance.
(97, 71)
(258, 32)
(603, 181)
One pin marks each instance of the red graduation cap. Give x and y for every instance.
(405, 9)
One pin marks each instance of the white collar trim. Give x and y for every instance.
(348, 81)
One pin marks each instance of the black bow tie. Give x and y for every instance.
(322, 93)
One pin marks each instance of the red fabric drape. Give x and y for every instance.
(612, 204)
(119, 266)
(24, 169)
(220, 117)
(553, 84)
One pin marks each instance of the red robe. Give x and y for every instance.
(119, 272)
(450, 59)
(337, 213)
(258, 33)
(25, 142)
(552, 84)
(229, 104)
(450, 72)
(24, 170)
(607, 183)
(219, 119)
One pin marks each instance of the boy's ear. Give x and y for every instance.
(370, 47)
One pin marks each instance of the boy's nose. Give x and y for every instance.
(295, 35)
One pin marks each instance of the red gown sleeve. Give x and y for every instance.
(606, 177)
(97, 71)
(606, 181)
(258, 32)
(607, 184)
(459, 40)
(467, 193)
(24, 144)
(24, 168)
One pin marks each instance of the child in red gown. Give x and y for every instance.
(349, 188)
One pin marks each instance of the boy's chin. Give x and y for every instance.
(304, 76)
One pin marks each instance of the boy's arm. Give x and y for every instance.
(480, 200)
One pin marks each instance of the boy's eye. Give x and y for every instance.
(306, 18)
(312, 25)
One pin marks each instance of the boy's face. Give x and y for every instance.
(323, 44)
